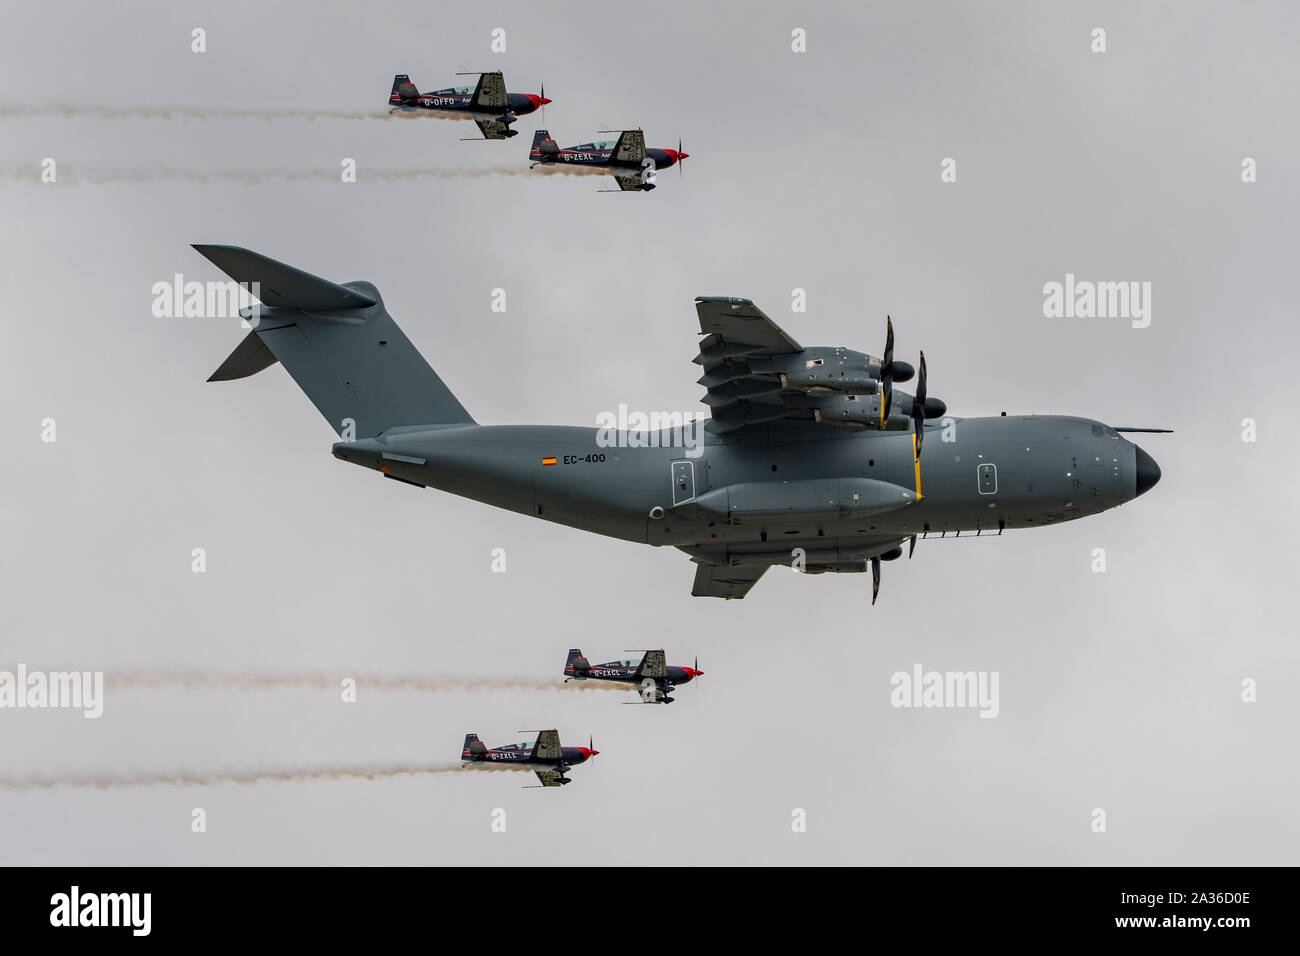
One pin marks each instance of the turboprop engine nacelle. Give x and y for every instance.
(859, 411)
(824, 369)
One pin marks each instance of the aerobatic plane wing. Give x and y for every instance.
(630, 147)
(492, 128)
(547, 746)
(653, 665)
(629, 182)
(490, 92)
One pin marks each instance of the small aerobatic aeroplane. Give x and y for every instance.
(626, 158)
(544, 757)
(487, 103)
(654, 678)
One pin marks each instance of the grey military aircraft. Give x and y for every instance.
(811, 458)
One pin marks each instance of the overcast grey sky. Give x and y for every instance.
(817, 171)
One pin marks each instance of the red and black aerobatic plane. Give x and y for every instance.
(544, 757)
(651, 674)
(626, 158)
(487, 103)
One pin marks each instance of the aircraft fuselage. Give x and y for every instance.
(462, 104)
(603, 159)
(510, 759)
(976, 475)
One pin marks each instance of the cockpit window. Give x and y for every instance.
(1104, 431)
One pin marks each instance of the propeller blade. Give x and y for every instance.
(918, 410)
(680, 162)
(911, 547)
(887, 372)
(875, 580)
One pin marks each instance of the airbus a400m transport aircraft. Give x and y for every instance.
(811, 457)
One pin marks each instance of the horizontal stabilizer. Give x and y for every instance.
(339, 344)
(281, 285)
(249, 357)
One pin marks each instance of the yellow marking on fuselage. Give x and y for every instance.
(916, 462)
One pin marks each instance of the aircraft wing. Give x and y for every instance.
(490, 92)
(715, 581)
(738, 337)
(746, 359)
(716, 577)
(653, 665)
(492, 128)
(547, 746)
(742, 327)
(628, 183)
(549, 778)
(630, 147)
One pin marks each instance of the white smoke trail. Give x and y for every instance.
(207, 778)
(72, 175)
(486, 767)
(319, 681)
(168, 113)
(69, 174)
(562, 169)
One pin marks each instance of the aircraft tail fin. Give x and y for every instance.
(338, 343)
(473, 747)
(543, 145)
(577, 666)
(404, 91)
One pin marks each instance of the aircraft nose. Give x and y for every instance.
(1148, 472)
(587, 752)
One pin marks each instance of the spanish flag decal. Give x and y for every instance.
(548, 461)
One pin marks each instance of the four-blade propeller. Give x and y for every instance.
(890, 372)
(923, 407)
